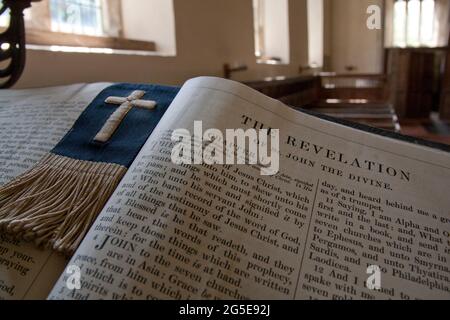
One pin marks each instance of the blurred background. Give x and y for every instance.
(378, 62)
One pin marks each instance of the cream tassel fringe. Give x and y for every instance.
(55, 203)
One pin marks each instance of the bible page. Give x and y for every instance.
(349, 215)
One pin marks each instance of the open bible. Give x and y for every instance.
(348, 208)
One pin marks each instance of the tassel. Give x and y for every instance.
(55, 203)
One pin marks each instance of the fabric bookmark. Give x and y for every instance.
(55, 202)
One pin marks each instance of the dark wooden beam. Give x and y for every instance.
(444, 108)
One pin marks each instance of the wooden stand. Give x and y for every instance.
(12, 42)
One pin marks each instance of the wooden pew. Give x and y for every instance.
(357, 98)
(380, 115)
(362, 98)
(295, 91)
(372, 87)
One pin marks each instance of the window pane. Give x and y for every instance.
(413, 24)
(400, 23)
(272, 30)
(427, 23)
(4, 19)
(258, 21)
(76, 16)
(315, 16)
